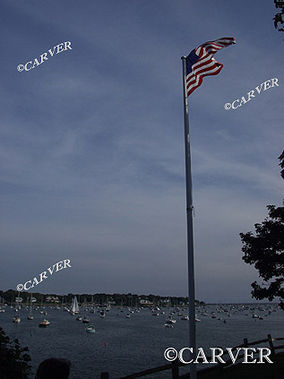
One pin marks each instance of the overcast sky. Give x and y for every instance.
(92, 148)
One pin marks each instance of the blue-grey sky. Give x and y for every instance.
(92, 146)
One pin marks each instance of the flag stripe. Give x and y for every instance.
(201, 70)
(201, 73)
(200, 62)
(198, 79)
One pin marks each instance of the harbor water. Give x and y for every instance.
(124, 345)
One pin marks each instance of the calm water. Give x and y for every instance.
(136, 343)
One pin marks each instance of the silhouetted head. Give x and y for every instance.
(53, 368)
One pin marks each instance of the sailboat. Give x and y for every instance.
(18, 300)
(74, 307)
(2, 310)
(16, 318)
(108, 307)
(30, 315)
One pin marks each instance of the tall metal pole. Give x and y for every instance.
(189, 214)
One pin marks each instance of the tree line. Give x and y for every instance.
(129, 299)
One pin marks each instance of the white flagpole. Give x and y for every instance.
(189, 214)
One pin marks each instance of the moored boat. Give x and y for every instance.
(74, 307)
(16, 320)
(102, 314)
(30, 315)
(44, 323)
(90, 329)
(171, 320)
(168, 324)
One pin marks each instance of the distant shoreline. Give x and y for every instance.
(115, 299)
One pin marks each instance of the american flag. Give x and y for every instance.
(200, 62)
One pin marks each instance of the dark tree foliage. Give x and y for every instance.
(129, 300)
(265, 250)
(278, 18)
(14, 360)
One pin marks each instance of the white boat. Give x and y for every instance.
(90, 329)
(85, 320)
(30, 315)
(102, 314)
(44, 323)
(168, 324)
(108, 308)
(74, 307)
(171, 320)
(16, 320)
